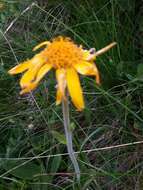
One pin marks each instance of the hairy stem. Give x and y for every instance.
(68, 133)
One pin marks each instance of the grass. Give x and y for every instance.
(32, 145)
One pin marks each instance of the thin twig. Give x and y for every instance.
(28, 159)
(106, 48)
(23, 12)
(78, 152)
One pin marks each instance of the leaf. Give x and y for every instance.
(60, 137)
(55, 164)
(23, 171)
(72, 126)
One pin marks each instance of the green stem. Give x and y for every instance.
(68, 133)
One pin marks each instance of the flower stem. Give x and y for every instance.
(68, 133)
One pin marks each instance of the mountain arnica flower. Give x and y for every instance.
(68, 59)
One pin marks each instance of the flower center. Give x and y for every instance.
(63, 53)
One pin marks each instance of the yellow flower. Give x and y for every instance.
(68, 59)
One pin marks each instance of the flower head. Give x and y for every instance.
(68, 59)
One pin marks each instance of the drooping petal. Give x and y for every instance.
(37, 62)
(58, 97)
(61, 80)
(74, 88)
(43, 70)
(20, 68)
(40, 74)
(30, 75)
(40, 45)
(29, 88)
(87, 68)
(39, 58)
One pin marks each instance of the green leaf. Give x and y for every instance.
(55, 164)
(23, 171)
(72, 126)
(60, 137)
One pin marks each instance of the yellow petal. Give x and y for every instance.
(37, 62)
(29, 88)
(30, 75)
(87, 68)
(61, 80)
(40, 45)
(88, 56)
(20, 68)
(43, 70)
(32, 85)
(74, 88)
(39, 58)
(58, 97)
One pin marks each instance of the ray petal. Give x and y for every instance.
(40, 45)
(61, 79)
(43, 70)
(74, 88)
(39, 58)
(58, 97)
(30, 75)
(29, 88)
(87, 68)
(88, 55)
(20, 68)
(40, 74)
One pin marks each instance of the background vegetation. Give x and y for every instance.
(32, 144)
